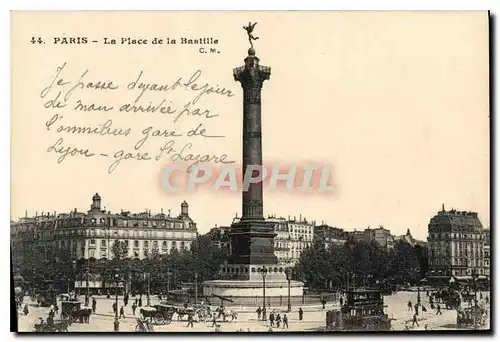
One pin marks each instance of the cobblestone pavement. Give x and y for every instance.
(314, 318)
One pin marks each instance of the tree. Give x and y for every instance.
(421, 253)
(404, 266)
(314, 266)
(206, 257)
(119, 250)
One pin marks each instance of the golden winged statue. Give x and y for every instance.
(249, 30)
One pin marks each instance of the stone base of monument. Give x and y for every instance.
(243, 284)
(251, 288)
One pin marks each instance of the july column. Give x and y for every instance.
(252, 76)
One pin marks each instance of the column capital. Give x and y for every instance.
(252, 74)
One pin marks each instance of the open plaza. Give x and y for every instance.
(313, 317)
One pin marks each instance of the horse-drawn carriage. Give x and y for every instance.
(203, 313)
(53, 326)
(471, 318)
(450, 298)
(363, 311)
(159, 313)
(143, 325)
(72, 311)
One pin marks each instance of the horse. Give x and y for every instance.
(61, 326)
(233, 314)
(181, 313)
(147, 314)
(83, 315)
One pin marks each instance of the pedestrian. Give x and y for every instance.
(56, 309)
(285, 321)
(480, 295)
(94, 304)
(438, 312)
(190, 320)
(271, 319)
(140, 301)
(416, 308)
(410, 306)
(50, 319)
(214, 321)
(415, 320)
(259, 312)
(301, 314)
(134, 306)
(278, 320)
(26, 310)
(114, 308)
(341, 301)
(122, 312)
(323, 302)
(424, 309)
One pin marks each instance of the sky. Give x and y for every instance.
(395, 103)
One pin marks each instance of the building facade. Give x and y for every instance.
(293, 237)
(408, 238)
(330, 236)
(487, 253)
(380, 235)
(455, 244)
(78, 236)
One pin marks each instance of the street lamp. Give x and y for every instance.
(148, 300)
(116, 323)
(474, 277)
(288, 273)
(418, 294)
(169, 274)
(263, 272)
(87, 273)
(196, 288)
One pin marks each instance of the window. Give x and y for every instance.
(103, 253)
(92, 241)
(91, 253)
(182, 245)
(136, 244)
(164, 244)
(103, 243)
(146, 244)
(126, 243)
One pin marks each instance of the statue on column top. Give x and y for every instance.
(249, 30)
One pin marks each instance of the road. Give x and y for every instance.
(314, 318)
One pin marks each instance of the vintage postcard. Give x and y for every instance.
(250, 171)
